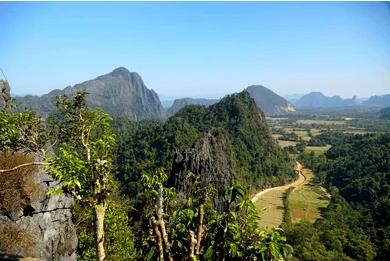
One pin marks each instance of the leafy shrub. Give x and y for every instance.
(118, 238)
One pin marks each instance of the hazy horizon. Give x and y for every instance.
(200, 49)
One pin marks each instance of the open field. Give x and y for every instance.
(315, 131)
(318, 150)
(286, 143)
(305, 201)
(321, 122)
(269, 203)
(303, 134)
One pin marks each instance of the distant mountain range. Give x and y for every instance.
(380, 101)
(123, 93)
(120, 93)
(319, 100)
(268, 101)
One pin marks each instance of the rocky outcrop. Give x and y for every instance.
(210, 160)
(4, 92)
(119, 93)
(33, 224)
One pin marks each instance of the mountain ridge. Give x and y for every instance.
(319, 100)
(268, 101)
(120, 93)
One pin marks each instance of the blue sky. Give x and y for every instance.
(200, 49)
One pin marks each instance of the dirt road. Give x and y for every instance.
(296, 183)
(269, 202)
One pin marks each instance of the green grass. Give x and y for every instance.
(306, 201)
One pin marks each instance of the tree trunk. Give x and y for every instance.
(100, 211)
(200, 228)
(159, 240)
(192, 245)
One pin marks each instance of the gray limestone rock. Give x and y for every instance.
(4, 92)
(46, 222)
(209, 158)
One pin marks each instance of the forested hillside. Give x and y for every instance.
(356, 171)
(254, 157)
(181, 103)
(385, 113)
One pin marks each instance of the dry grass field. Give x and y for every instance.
(305, 202)
(270, 208)
(286, 143)
(315, 131)
(318, 150)
(320, 122)
(303, 134)
(269, 202)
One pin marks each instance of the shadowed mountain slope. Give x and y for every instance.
(120, 93)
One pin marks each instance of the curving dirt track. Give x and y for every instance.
(270, 203)
(299, 181)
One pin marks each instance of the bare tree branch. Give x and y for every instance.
(24, 165)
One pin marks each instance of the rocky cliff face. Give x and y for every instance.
(210, 159)
(4, 92)
(33, 224)
(120, 93)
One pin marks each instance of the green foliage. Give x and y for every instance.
(231, 234)
(384, 113)
(328, 137)
(287, 213)
(360, 169)
(334, 237)
(235, 235)
(291, 136)
(255, 157)
(118, 234)
(83, 162)
(301, 145)
(21, 130)
(355, 224)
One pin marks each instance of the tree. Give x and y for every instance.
(20, 131)
(191, 228)
(83, 160)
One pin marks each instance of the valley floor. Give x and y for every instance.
(305, 200)
(269, 202)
